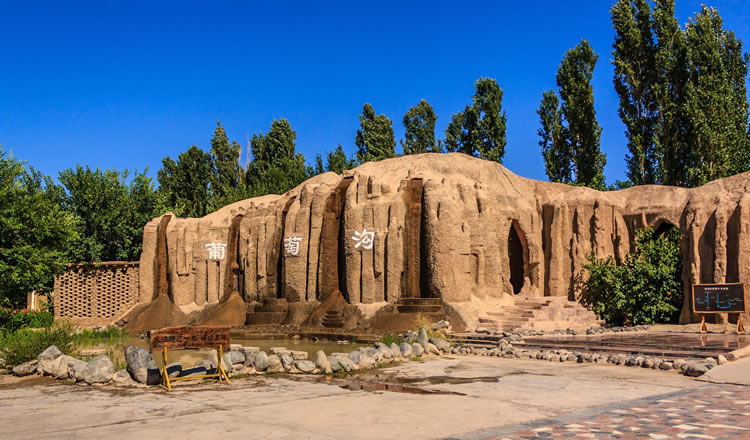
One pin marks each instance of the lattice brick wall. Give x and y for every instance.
(96, 293)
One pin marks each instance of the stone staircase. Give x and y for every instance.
(271, 311)
(333, 319)
(541, 313)
(420, 305)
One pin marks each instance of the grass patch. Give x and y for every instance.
(109, 336)
(390, 338)
(416, 359)
(24, 345)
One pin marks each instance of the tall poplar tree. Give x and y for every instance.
(577, 96)
(558, 159)
(184, 185)
(668, 92)
(227, 180)
(716, 106)
(634, 62)
(480, 129)
(276, 166)
(419, 134)
(375, 139)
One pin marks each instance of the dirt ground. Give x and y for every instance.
(456, 397)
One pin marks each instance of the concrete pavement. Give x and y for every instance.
(486, 394)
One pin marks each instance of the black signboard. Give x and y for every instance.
(719, 298)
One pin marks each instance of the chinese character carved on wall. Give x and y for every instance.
(216, 251)
(291, 245)
(364, 239)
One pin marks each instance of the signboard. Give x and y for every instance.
(719, 298)
(189, 337)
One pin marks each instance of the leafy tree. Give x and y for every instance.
(419, 134)
(109, 212)
(715, 107)
(479, 130)
(276, 166)
(645, 288)
(558, 159)
(35, 231)
(185, 185)
(577, 96)
(336, 161)
(227, 180)
(374, 139)
(635, 76)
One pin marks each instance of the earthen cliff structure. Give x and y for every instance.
(443, 226)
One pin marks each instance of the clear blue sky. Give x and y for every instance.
(123, 84)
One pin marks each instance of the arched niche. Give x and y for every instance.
(518, 257)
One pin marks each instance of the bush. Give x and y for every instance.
(110, 336)
(645, 288)
(389, 339)
(13, 319)
(24, 345)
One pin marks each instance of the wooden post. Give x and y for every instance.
(740, 327)
(165, 374)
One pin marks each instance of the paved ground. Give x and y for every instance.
(487, 398)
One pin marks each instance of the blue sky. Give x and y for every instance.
(123, 84)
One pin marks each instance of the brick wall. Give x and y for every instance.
(96, 294)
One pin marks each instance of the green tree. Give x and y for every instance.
(227, 180)
(634, 62)
(667, 91)
(577, 96)
(419, 130)
(35, 231)
(374, 139)
(645, 288)
(558, 159)
(336, 161)
(480, 129)
(276, 166)
(185, 185)
(716, 108)
(109, 212)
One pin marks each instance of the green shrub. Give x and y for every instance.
(24, 345)
(645, 288)
(15, 319)
(390, 338)
(110, 336)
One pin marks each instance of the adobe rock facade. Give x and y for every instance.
(434, 225)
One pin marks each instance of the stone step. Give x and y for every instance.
(420, 302)
(420, 309)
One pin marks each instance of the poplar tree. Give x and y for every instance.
(375, 139)
(558, 159)
(583, 132)
(276, 166)
(668, 89)
(634, 64)
(480, 129)
(184, 185)
(419, 134)
(227, 178)
(716, 108)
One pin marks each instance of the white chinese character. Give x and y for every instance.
(216, 251)
(365, 239)
(291, 245)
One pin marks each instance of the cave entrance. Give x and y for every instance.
(664, 228)
(516, 257)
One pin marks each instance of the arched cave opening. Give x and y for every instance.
(515, 258)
